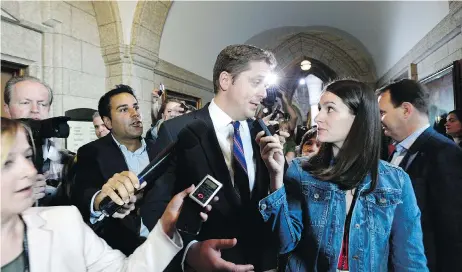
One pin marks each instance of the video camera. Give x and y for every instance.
(56, 127)
(271, 94)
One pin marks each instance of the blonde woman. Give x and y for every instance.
(56, 238)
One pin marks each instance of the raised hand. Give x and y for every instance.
(272, 153)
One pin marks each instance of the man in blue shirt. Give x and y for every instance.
(108, 167)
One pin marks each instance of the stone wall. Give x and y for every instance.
(437, 50)
(138, 64)
(144, 80)
(59, 41)
(148, 70)
(77, 47)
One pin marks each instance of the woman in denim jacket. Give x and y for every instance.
(344, 209)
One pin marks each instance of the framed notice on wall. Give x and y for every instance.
(81, 133)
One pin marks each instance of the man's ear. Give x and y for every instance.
(7, 110)
(225, 80)
(107, 122)
(407, 109)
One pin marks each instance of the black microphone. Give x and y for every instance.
(151, 172)
(188, 136)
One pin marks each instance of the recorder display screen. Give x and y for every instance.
(205, 191)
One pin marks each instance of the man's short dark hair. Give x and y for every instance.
(9, 87)
(407, 90)
(104, 104)
(235, 59)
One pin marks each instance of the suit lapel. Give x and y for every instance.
(149, 148)
(215, 158)
(39, 241)
(415, 149)
(111, 160)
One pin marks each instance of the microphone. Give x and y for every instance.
(187, 137)
(152, 172)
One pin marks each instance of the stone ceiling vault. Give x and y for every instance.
(344, 58)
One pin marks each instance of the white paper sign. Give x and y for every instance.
(80, 134)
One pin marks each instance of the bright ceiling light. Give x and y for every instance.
(271, 79)
(302, 81)
(305, 65)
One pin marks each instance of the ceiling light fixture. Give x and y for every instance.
(305, 65)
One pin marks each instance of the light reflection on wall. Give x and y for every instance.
(314, 85)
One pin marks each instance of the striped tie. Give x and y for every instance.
(241, 178)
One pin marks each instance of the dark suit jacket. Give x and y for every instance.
(434, 164)
(228, 219)
(96, 163)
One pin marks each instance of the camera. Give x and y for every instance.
(55, 127)
(271, 94)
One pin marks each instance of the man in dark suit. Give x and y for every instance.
(434, 164)
(239, 78)
(108, 167)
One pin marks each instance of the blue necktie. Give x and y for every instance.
(241, 178)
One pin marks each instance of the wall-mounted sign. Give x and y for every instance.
(81, 133)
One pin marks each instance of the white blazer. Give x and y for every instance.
(60, 241)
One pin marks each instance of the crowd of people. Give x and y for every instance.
(321, 198)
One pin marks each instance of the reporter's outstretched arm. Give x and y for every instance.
(162, 244)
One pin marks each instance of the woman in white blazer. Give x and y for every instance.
(56, 238)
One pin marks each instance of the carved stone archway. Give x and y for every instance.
(337, 53)
(148, 24)
(110, 31)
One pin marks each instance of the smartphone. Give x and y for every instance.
(189, 220)
(161, 89)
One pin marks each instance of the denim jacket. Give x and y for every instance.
(308, 215)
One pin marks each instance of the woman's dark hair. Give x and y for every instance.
(439, 124)
(310, 134)
(458, 113)
(360, 152)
